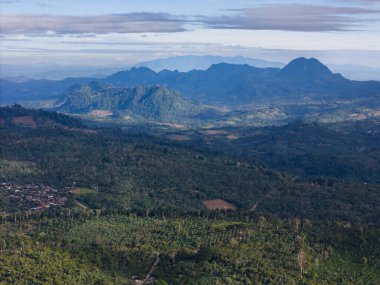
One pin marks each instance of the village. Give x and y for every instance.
(33, 197)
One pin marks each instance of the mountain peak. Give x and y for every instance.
(304, 68)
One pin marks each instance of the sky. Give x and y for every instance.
(125, 32)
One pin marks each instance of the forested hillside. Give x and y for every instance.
(348, 150)
(146, 174)
(151, 103)
(83, 205)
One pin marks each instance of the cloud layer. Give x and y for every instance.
(287, 17)
(294, 17)
(99, 24)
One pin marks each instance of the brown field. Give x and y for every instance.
(178, 138)
(218, 204)
(24, 120)
(75, 190)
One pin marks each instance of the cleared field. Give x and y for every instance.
(218, 204)
(82, 191)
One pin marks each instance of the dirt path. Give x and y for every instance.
(79, 204)
(147, 277)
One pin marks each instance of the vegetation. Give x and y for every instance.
(154, 103)
(146, 174)
(135, 211)
(223, 248)
(349, 151)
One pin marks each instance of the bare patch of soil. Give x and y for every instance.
(218, 204)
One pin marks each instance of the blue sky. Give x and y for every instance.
(115, 32)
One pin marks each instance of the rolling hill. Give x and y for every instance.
(154, 103)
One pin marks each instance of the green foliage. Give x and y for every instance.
(148, 175)
(349, 151)
(152, 103)
(196, 250)
(147, 215)
(43, 265)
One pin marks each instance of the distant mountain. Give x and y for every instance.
(238, 84)
(228, 84)
(303, 69)
(16, 91)
(155, 103)
(191, 62)
(56, 71)
(356, 72)
(221, 83)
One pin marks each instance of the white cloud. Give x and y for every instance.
(99, 24)
(295, 17)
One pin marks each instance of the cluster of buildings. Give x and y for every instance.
(32, 197)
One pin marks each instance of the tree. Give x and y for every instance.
(301, 259)
(3, 245)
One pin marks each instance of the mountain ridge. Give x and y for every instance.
(223, 83)
(194, 62)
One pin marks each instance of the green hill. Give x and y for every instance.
(152, 103)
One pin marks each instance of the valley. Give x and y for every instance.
(189, 142)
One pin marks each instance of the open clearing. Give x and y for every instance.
(82, 191)
(218, 204)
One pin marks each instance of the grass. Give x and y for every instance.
(80, 191)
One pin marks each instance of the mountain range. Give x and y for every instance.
(240, 84)
(180, 63)
(165, 95)
(193, 62)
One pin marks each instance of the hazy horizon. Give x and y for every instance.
(116, 33)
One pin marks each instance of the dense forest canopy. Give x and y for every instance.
(127, 206)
